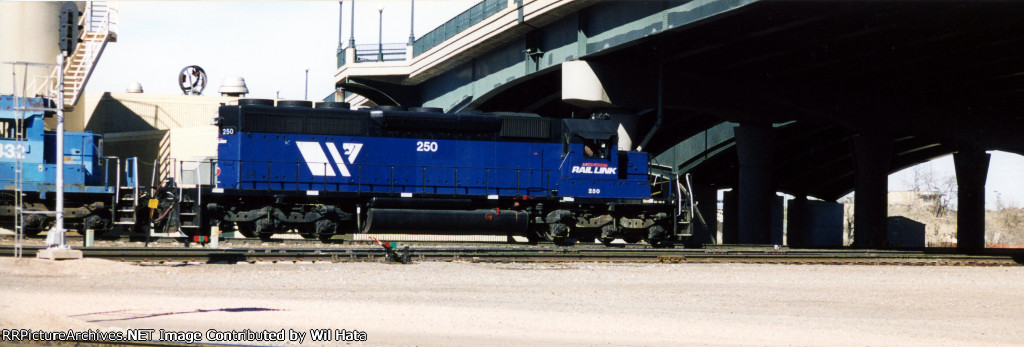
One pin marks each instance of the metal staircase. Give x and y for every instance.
(190, 205)
(99, 24)
(126, 197)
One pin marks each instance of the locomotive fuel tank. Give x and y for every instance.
(468, 222)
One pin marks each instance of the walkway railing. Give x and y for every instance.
(454, 26)
(380, 52)
(463, 21)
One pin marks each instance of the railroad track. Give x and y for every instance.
(78, 241)
(514, 253)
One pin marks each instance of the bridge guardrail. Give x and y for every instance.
(459, 23)
(454, 26)
(379, 52)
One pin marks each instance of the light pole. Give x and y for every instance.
(55, 237)
(341, 22)
(306, 95)
(352, 26)
(412, 20)
(380, 33)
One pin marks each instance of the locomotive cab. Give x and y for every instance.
(595, 167)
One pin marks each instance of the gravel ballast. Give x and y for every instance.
(442, 303)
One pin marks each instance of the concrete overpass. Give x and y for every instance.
(810, 98)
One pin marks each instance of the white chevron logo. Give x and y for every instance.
(317, 160)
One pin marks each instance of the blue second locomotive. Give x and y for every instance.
(330, 170)
(88, 194)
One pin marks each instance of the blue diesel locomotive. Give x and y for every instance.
(331, 170)
(88, 193)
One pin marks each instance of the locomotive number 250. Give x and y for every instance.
(426, 146)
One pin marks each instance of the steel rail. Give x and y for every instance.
(540, 254)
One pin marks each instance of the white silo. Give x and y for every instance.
(28, 33)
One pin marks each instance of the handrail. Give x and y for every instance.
(98, 17)
(101, 19)
(468, 18)
(360, 179)
(341, 56)
(379, 52)
(131, 173)
(43, 85)
(117, 190)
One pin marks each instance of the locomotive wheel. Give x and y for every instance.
(94, 222)
(559, 234)
(656, 236)
(265, 228)
(557, 231)
(325, 228)
(608, 233)
(247, 229)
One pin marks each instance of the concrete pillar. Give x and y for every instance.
(755, 146)
(873, 155)
(730, 207)
(705, 219)
(350, 56)
(971, 170)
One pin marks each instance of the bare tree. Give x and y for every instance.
(940, 190)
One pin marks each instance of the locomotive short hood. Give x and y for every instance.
(591, 130)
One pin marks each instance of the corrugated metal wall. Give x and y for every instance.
(160, 130)
(127, 112)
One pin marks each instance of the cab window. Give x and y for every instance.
(595, 148)
(7, 129)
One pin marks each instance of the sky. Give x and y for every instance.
(271, 44)
(1004, 181)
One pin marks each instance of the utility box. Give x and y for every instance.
(814, 223)
(904, 232)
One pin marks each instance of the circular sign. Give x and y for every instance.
(192, 80)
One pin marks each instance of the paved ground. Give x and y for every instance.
(526, 304)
